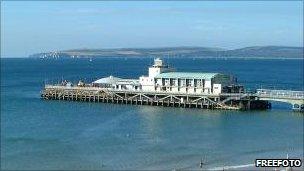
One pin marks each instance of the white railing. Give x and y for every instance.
(91, 88)
(280, 93)
(260, 92)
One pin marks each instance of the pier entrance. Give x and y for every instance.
(295, 98)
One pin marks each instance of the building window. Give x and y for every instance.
(183, 82)
(199, 83)
(174, 82)
(191, 83)
(167, 82)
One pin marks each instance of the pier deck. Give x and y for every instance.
(295, 98)
(234, 101)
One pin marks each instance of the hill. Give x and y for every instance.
(247, 52)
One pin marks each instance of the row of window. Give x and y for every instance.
(181, 82)
(190, 86)
(187, 90)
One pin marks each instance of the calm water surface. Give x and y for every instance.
(39, 134)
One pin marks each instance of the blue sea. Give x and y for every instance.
(44, 134)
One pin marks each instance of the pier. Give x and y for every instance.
(165, 87)
(227, 101)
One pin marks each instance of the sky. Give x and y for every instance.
(43, 26)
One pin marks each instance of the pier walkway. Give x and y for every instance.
(257, 100)
(296, 98)
(234, 101)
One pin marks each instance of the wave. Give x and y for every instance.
(30, 140)
(233, 167)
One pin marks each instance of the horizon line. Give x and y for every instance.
(155, 47)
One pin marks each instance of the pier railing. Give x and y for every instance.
(280, 94)
(92, 88)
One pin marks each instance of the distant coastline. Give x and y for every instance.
(256, 52)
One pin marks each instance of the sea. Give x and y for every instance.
(39, 134)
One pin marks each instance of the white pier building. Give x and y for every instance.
(161, 78)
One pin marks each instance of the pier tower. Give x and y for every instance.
(147, 82)
(157, 68)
